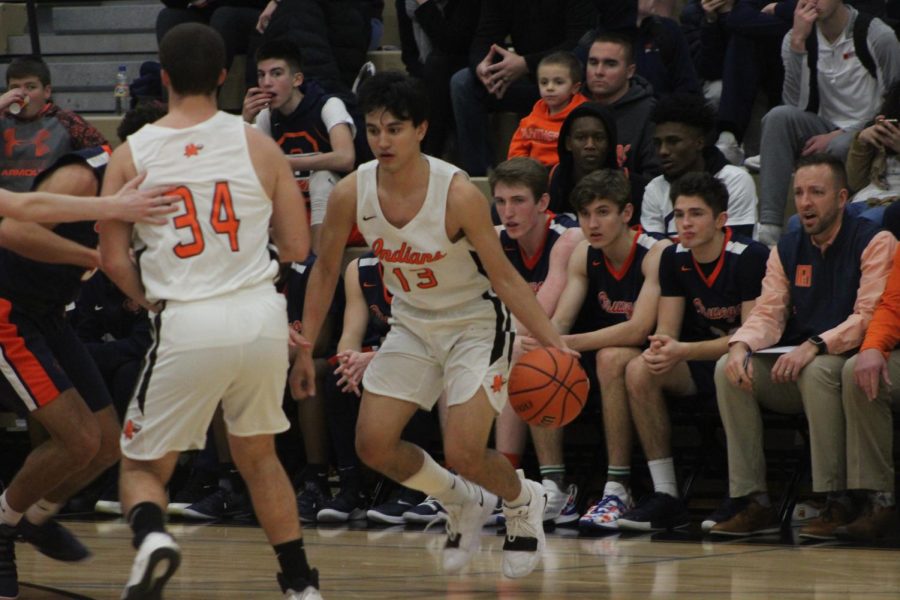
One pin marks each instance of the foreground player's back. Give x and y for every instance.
(217, 244)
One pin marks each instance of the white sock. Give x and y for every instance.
(41, 511)
(8, 515)
(614, 488)
(662, 470)
(435, 480)
(522, 499)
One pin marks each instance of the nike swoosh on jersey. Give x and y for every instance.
(369, 217)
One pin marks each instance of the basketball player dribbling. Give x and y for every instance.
(218, 323)
(451, 331)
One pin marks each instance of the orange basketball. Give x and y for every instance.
(547, 387)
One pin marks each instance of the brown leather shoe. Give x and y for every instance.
(755, 519)
(878, 522)
(823, 526)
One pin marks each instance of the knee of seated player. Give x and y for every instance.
(75, 179)
(639, 379)
(611, 363)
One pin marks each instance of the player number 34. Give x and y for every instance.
(221, 218)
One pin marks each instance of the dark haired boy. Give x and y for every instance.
(40, 132)
(313, 129)
(451, 332)
(708, 284)
(683, 126)
(608, 308)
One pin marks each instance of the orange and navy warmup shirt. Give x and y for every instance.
(612, 292)
(534, 269)
(713, 292)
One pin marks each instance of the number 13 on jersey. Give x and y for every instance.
(425, 275)
(221, 218)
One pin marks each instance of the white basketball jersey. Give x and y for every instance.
(422, 267)
(216, 242)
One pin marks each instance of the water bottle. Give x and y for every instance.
(120, 92)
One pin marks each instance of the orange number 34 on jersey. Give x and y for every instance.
(222, 219)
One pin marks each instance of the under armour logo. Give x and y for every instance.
(38, 142)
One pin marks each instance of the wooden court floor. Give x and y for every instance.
(235, 562)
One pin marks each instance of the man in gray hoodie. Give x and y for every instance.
(611, 81)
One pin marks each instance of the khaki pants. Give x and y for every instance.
(817, 393)
(870, 430)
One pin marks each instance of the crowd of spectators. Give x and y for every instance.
(638, 122)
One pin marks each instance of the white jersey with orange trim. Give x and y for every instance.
(423, 268)
(216, 243)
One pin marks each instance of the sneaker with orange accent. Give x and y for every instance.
(822, 527)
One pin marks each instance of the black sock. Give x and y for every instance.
(145, 518)
(292, 560)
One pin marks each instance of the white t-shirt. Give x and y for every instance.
(656, 209)
(334, 112)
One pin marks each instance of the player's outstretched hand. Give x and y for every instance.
(150, 205)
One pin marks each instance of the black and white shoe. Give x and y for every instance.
(524, 544)
(347, 505)
(392, 511)
(221, 504)
(156, 561)
(303, 589)
(426, 512)
(464, 523)
(53, 540)
(655, 512)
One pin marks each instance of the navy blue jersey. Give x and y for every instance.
(295, 290)
(534, 269)
(38, 287)
(713, 292)
(378, 299)
(612, 293)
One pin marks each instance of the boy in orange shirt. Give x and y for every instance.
(559, 80)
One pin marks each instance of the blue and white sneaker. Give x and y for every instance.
(604, 515)
(496, 518)
(556, 500)
(426, 512)
(569, 512)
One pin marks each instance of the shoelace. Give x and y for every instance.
(436, 506)
(604, 504)
(452, 523)
(517, 524)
